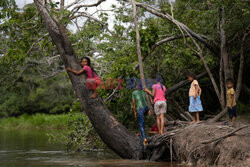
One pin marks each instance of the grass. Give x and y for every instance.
(39, 121)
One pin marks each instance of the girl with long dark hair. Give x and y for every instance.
(93, 81)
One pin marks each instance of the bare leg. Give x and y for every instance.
(145, 142)
(94, 94)
(197, 117)
(158, 123)
(233, 119)
(162, 123)
(194, 119)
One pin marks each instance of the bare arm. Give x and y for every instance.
(134, 108)
(152, 102)
(75, 72)
(149, 92)
(232, 101)
(199, 91)
(196, 91)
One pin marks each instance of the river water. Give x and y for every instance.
(23, 148)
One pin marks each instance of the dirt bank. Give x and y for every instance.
(202, 145)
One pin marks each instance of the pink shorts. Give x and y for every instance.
(93, 83)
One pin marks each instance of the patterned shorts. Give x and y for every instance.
(160, 107)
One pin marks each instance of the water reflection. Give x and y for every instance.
(22, 148)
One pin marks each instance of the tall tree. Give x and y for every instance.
(115, 135)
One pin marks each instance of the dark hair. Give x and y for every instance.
(159, 79)
(89, 64)
(139, 84)
(192, 75)
(230, 80)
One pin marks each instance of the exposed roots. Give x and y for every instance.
(202, 144)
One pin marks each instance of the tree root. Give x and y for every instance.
(201, 144)
(225, 136)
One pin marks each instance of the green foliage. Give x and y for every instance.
(32, 79)
(80, 134)
(36, 121)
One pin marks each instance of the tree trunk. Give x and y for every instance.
(228, 73)
(222, 87)
(138, 48)
(240, 73)
(116, 136)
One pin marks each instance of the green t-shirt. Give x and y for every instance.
(140, 99)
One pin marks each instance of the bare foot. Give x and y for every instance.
(93, 95)
(191, 123)
(145, 142)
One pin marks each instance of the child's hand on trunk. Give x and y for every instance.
(149, 113)
(145, 89)
(135, 116)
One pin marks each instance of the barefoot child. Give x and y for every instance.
(160, 106)
(140, 104)
(231, 103)
(195, 105)
(93, 81)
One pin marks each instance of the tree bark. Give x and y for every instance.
(138, 48)
(62, 4)
(228, 73)
(222, 87)
(116, 136)
(240, 73)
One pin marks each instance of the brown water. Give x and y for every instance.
(22, 148)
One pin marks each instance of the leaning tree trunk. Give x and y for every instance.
(138, 48)
(116, 136)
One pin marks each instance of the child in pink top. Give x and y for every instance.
(93, 81)
(160, 106)
(159, 92)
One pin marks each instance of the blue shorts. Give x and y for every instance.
(232, 112)
(195, 104)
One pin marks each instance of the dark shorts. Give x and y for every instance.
(232, 112)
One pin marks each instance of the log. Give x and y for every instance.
(114, 135)
(219, 116)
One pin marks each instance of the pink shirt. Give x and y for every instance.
(159, 93)
(89, 72)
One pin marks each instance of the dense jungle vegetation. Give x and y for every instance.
(33, 78)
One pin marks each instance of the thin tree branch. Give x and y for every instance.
(39, 39)
(213, 48)
(76, 8)
(168, 39)
(84, 14)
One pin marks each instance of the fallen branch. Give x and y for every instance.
(225, 136)
(218, 116)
